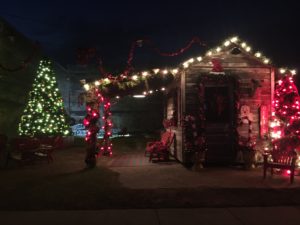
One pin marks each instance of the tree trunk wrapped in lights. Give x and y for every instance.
(93, 101)
(90, 122)
(106, 145)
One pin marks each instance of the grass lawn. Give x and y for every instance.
(65, 184)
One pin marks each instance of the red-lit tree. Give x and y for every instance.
(287, 106)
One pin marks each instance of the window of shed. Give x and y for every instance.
(235, 51)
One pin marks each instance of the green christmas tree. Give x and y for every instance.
(44, 113)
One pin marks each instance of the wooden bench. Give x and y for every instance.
(46, 148)
(280, 160)
(160, 149)
(31, 149)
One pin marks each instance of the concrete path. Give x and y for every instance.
(208, 216)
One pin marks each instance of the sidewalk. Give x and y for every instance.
(211, 216)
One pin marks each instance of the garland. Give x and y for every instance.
(84, 56)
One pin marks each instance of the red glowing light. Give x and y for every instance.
(86, 122)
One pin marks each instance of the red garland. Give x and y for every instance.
(85, 55)
(195, 40)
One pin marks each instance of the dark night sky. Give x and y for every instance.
(63, 26)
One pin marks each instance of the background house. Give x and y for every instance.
(18, 59)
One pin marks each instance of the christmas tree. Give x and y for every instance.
(286, 118)
(44, 113)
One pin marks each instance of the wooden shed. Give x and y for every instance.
(223, 98)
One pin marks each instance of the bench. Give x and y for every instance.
(285, 160)
(160, 149)
(29, 149)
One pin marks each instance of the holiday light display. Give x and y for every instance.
(90, 122)
(126, 83)
(126, 80)
(44, 113)
(286, 117)
(106, 145)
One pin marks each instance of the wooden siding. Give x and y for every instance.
(254, 88)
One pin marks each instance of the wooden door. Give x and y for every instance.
(219, 113)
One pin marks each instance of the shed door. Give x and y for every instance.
(219, 113)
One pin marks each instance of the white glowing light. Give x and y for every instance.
(175, 71)
(117, 96)
(248, 49)
(97, 83)
(258, 54)
(234, 39)
(218, 49)
(226, 43)
(185, 65)
(244, 45)
(209, 53)
(154, 70)
(86, 87)
(282, 70)
(276, 135)
(199, 58)
(139, 96)
(293, 72)
(145, 93)
(266, 61)
(134, 77)
(191, 60)
(106, 80)
(163, 89)
(150, 91)
(165, 71)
